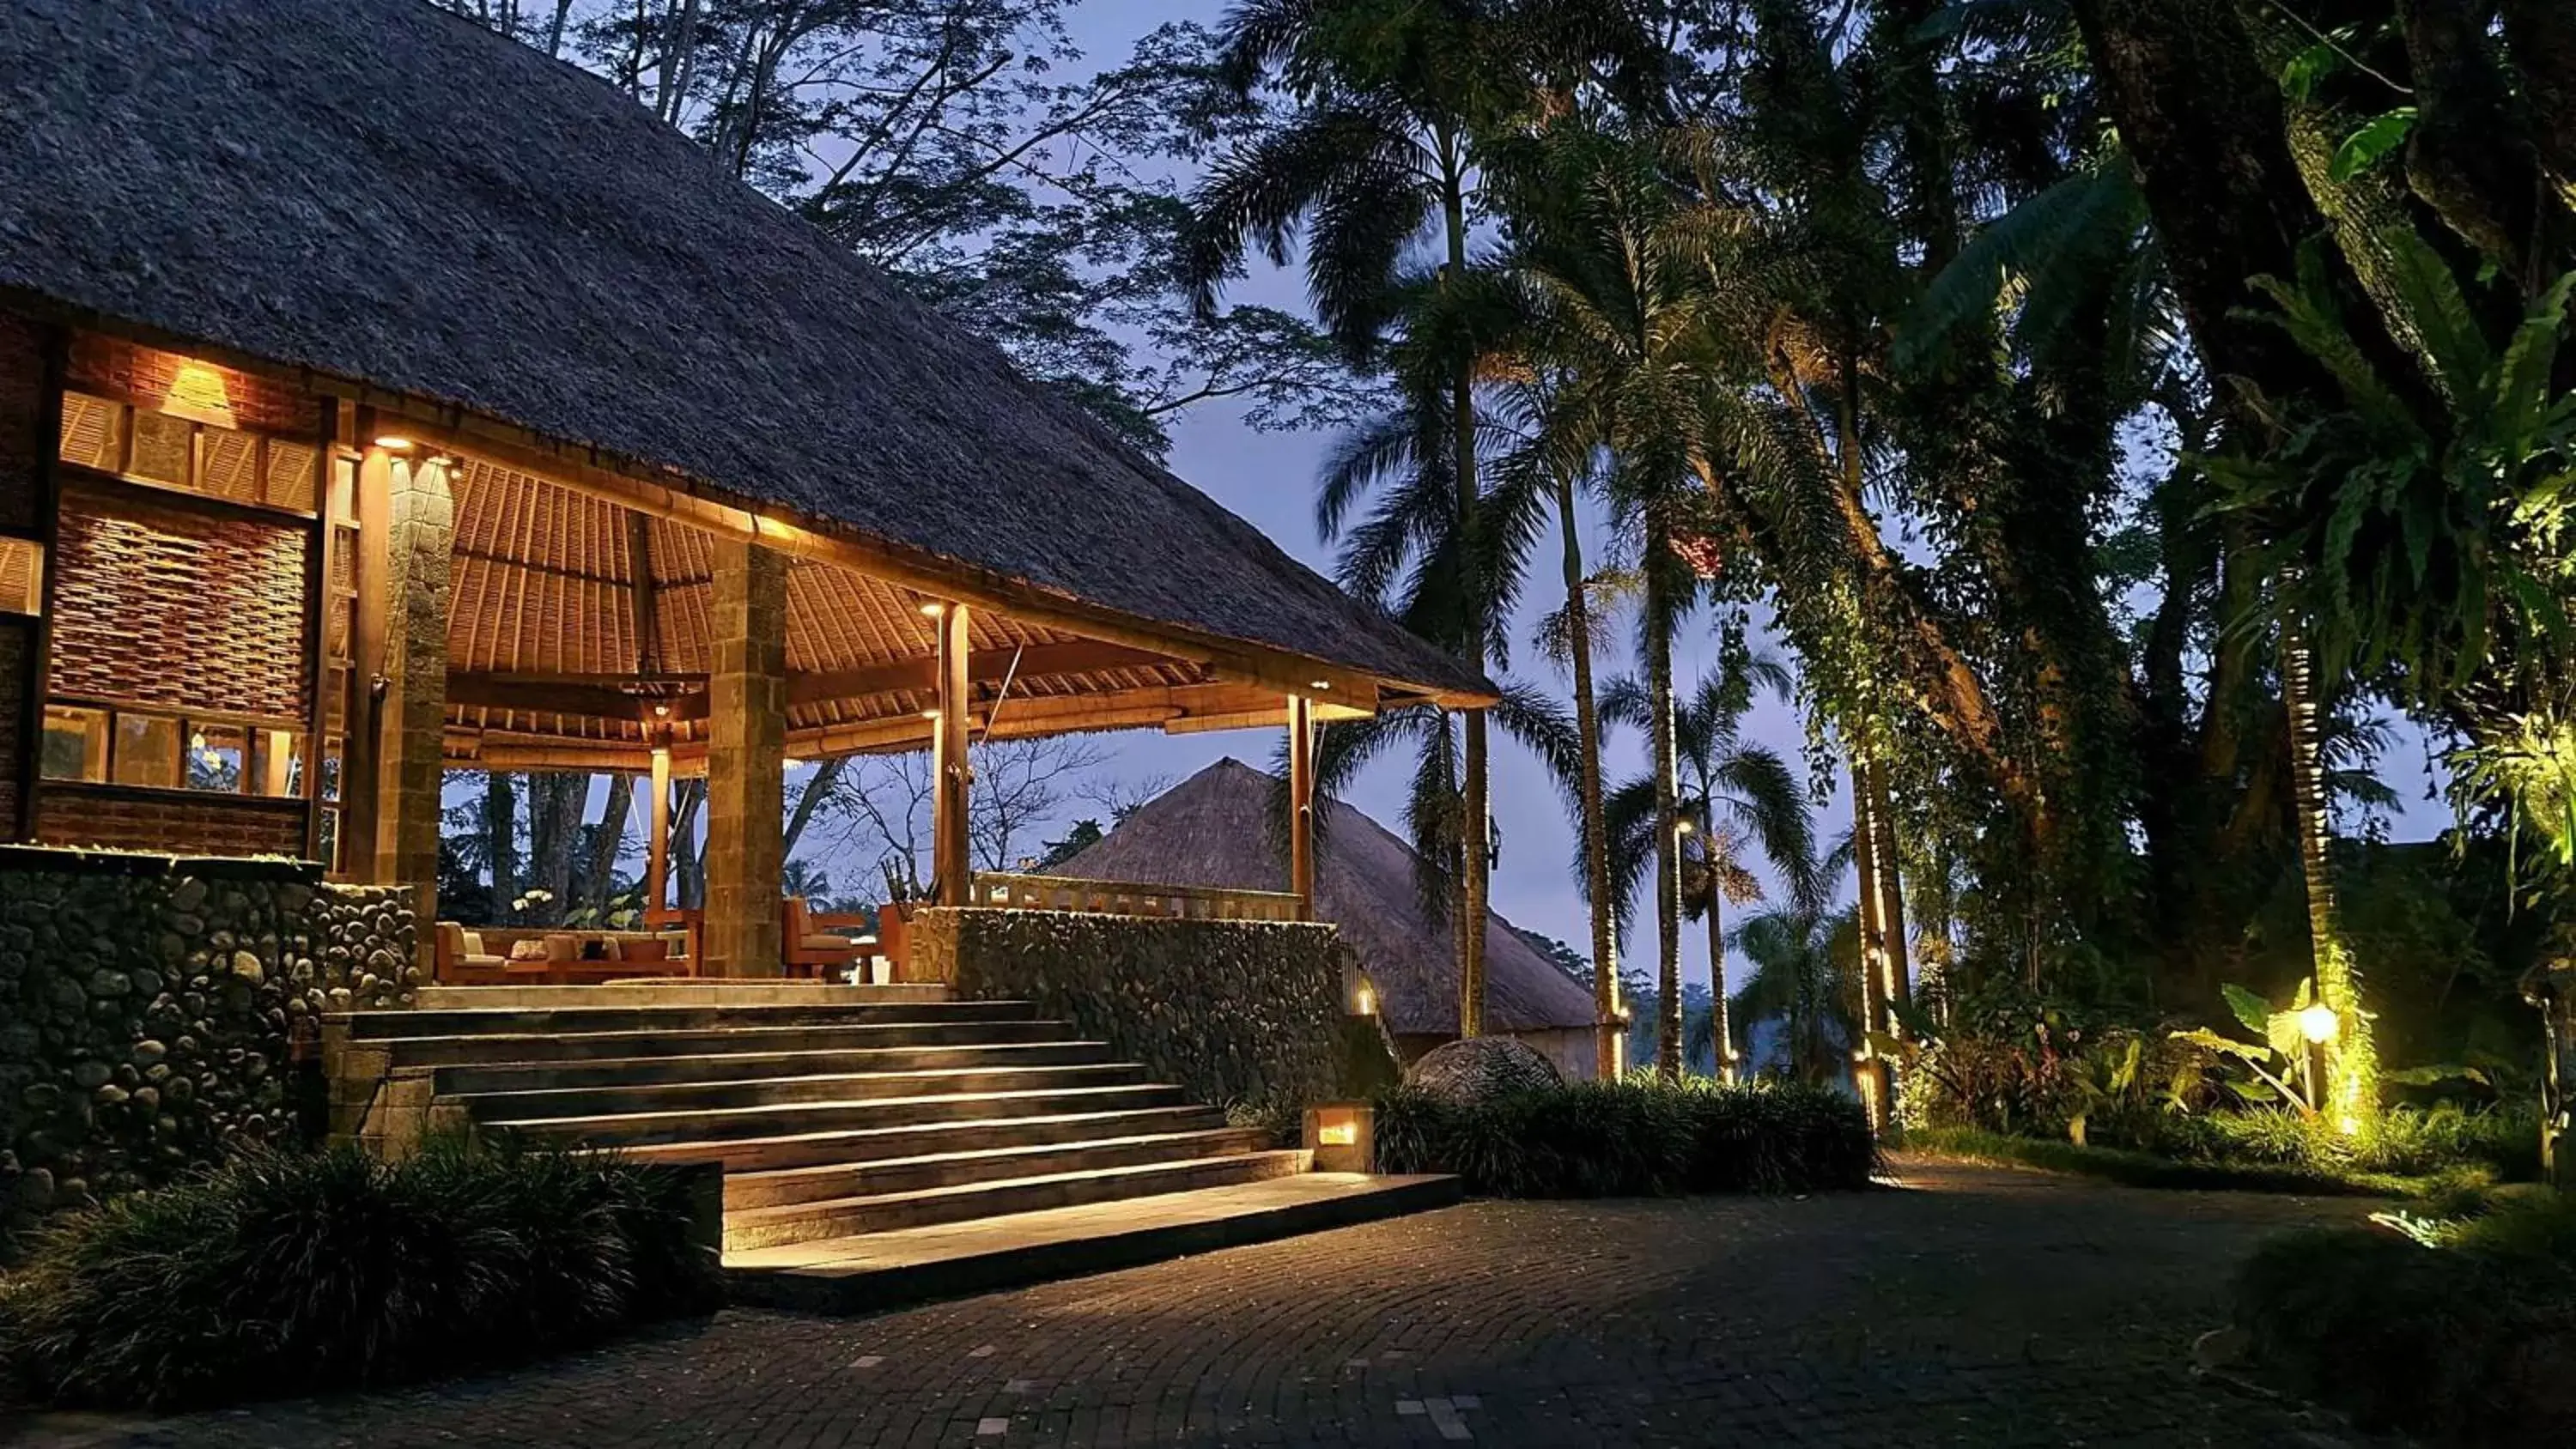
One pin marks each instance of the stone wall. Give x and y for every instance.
(155, 1010)
(1242, 1014)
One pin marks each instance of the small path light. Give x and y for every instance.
(1342, 1136)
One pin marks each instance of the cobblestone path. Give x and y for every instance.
(1977, 1307)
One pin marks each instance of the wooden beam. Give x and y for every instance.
(983, 666)
(643, 592)
(359, 786)
(949, 774)
(1301, 804)
(657, 856)
(594, 696)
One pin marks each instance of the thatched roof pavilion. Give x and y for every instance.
(397, 206)
(499, 429)
(1214, 829)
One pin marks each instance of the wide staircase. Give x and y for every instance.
(853, 1123)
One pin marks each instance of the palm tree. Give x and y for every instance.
(1806, 974)
(1736, 795)
(1377, 155)
(1610, 266)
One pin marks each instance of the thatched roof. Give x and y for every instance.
(1214, 829)
(384, 194)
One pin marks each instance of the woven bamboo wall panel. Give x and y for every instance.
(23, 444)
(160, 603)
(17, 657)
(190, 388)
(177, 824)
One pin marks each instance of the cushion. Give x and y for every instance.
(532, 949)
(470, 943)
(562, 946)
(824, 943)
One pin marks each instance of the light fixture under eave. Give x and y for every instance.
(1319, 684)
(394, 442)
(933, 609)
(930, 714)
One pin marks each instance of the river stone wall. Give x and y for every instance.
(154, 1011)
(1246, 1015)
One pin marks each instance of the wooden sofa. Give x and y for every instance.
(488, 956)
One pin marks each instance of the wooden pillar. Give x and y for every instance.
(1301, 804)
(657, 833)
(746, 761)
(409, 687)
(951, 869)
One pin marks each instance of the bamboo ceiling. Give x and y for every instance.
(557, 659)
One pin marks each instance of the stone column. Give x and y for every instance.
(746, 761)
(411, 715)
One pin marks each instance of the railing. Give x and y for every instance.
(1011, 891)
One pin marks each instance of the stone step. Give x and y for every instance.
(668, 992)
(633, 1098)
(877, 1271)
(728, 1066)
(475, 1021)
(790, 1118)
(850, 1146)
(850, 1216)
(505, 1049)
(744, 1190)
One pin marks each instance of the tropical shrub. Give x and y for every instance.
(282, 1273)
(1640, 1137)
(2460, 1331)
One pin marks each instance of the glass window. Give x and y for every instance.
(331, 752)
(147, 750)
(277, 766)
(75, 743)
(217, 755)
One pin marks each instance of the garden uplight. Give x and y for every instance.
(2318, 1023)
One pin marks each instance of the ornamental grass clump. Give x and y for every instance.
(282, 1273)
(1636, 1138)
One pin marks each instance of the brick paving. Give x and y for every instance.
(1980, 1307)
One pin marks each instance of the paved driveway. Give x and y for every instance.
(1976, 1308)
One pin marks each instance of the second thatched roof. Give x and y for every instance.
(1213, 829)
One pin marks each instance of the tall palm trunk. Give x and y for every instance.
(2352, 1093)
(1472, 835)
(1721, 1025)
(1896, 984)
(1871, 1071)
(599, 870)
(1873, 840)
(688, 866)
(501, 838)
(1607, 1028)
(1660, 605)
